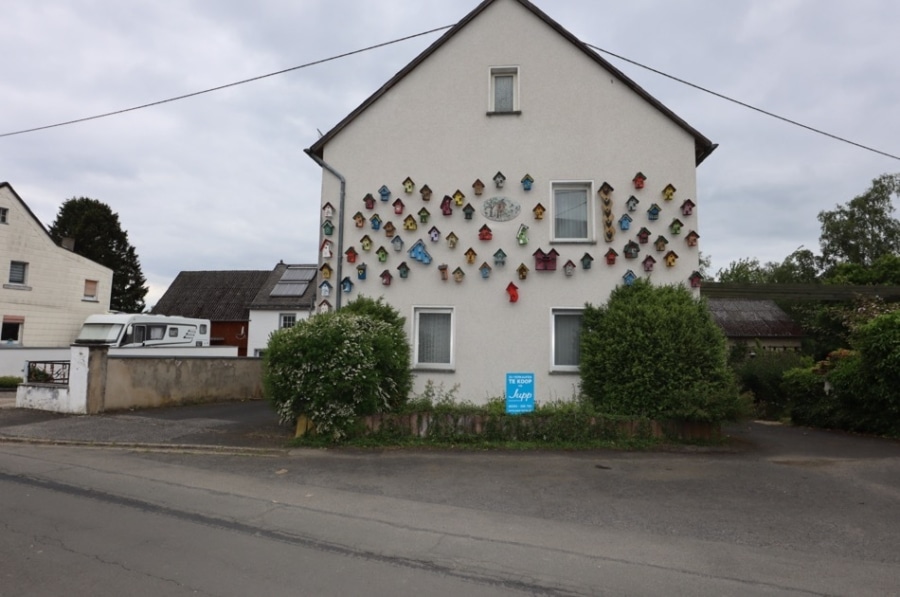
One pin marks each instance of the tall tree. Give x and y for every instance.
(98, 235)
(864, 229)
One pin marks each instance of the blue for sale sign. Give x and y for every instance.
(519, 393)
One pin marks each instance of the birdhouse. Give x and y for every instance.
(687, 208)
(668, 192)
(382, 254)
(499, 257)
(629, 278)
(545, 261)
(692, 238)
(484, 233)
(325, 289)
(359, 219)
(671, 258)
(366, 243)
(538, 211)
(522, 234)
(485, 270)
(625, 222)
(452, 239)
(419, 253)
(661, 243)
(569, 267)
(649, 262)
(609, 233)
(632, 203)
(369, 200)
(347, 285)
(643, 236)
(424, 215)
(458, 197)
(361, 271)
(470, 255)
(611, 256)
(468, 210)
(527, 181)
(653, 212)
(587, 260)
(605, 191)
(522, 270)
(384, 192)
(327, 249)
(695, 279)
(425, 191)
(675, 226)
(397, 243)
(478, 186)
(513, 291)
(444, 271)
(458, 275)
(324, 307)
(328, 211)
(403, 269)
(327, 228)
(390, 230)
(351, 255)
(409, 223)
(408, 185)
(386, 277)
(398, 206)
(447, 205)
(499, 179)
(326, 271)
(434, 234)
(375, 222)
(639, 180)
(631, 250)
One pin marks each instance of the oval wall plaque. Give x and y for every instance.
(500, 209)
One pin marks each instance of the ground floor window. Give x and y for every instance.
(433, 337)
(287, 320)
(566, 349)
(11, 330)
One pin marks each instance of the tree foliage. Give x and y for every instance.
(655, 352)
(98, 235)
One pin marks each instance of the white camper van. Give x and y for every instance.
(129, 330)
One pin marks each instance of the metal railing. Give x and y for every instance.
(52, 372)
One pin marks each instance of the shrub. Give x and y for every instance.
(872, 380)
(335, 367)
(762, 375)
(808, 402)
(9, 382)
(655, 352)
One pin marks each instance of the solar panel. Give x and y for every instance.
(298, 274)
(294, 281)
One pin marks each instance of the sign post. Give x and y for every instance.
(519, 393)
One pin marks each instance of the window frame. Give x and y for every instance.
(554, 313)
(283, 317)
(24, 280)
(4, 215)
(503, 71)
(428, 365)
(590, 230)
(96, 287)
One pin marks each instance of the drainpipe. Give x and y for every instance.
(340, 244)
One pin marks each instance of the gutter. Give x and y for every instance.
(340, 242)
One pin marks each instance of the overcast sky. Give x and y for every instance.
(220, 181)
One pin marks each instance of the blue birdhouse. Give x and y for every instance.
(384, 192)
(625, 222)
(347, 285)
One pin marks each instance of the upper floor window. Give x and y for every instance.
(505, 90)
(90, 290)
(4, 215)
(288, 320)
(571, 207)
(18, 272)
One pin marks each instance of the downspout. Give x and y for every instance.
(340, 242)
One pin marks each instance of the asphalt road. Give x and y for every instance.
(782, 511)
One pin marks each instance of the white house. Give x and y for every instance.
(482, 192)
(47, 290)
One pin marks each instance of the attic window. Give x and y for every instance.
(504, 90)
(294, 281)
(4, 215)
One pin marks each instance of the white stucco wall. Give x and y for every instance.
(52, 299)
(577, 123)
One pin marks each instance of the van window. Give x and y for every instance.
(156, 332)
(203, 329)
(173, 332)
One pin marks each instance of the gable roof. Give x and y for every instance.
(214, 295)
(7, 186)
(752, 318)
(702, 146)
(303, 296)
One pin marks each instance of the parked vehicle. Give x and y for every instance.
(134, 330)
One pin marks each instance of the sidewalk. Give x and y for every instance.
(249, 425)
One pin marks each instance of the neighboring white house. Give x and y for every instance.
(504, 178)
(47, 291)
(286, 298)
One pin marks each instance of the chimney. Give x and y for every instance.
(68, 244)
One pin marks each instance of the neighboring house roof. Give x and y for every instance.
(702, 146)
(213, 295)
(752, 318)
(290, 287)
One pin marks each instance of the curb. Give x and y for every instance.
(150, 447)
